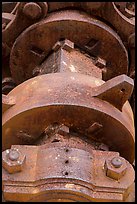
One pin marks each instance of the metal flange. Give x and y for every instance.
(70, 25)
(68, 173)
(74, 100)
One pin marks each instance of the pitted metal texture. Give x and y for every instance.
(68, 98)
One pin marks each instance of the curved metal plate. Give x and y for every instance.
(75, 26)
(84, 175)
(68, 99)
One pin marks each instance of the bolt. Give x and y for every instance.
(116, 167)
(13, 155)
(13, 160)
(32, 10)
(116, 162)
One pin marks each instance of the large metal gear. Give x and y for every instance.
(68, 99)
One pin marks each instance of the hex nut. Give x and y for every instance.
(13, 162)
(115, 172)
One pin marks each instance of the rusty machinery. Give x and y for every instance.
(67, 126)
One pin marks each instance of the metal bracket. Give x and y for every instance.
(116, 91)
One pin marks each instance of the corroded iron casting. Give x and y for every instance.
(68, 72)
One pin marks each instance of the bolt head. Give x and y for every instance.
(32, 10)
(13, 161)
(115, 167)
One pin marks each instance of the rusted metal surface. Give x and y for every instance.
(70, 179)
(72, 98)
(121, 16)
(127, 9)
(75, 5)
(14, 22)
(8, 7)
(67, 126)
(67, 59)
(74, 23)
(13, 161)
(116, 91)
(13, 29)
(7, 85)
(119, 20)
(7, 102)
